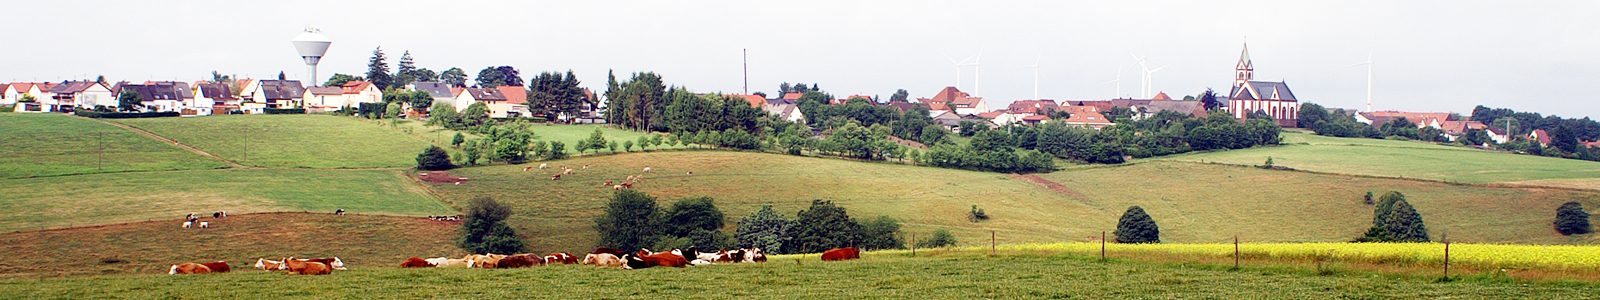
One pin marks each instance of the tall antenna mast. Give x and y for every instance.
(746, 71)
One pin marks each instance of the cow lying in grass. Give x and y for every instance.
(268, 265)
(646, 259)
(602, 260)
(416, 262)
(188, 268)
(846, 253)
(298, 267)
(448, 262)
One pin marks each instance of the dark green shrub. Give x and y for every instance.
(940, 238)
(1571, 219)
(434, 158)
(484, 229)
(1136, 227)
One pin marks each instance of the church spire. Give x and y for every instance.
(1244, 71)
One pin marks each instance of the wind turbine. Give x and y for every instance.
(976, 77)
(1144, 87)
(1118, 81)
(958, 66)
(1368, 63)
(1035, 68)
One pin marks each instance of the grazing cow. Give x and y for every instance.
(188, 224)
(585, 166)
(542, 166)
(608, 182)
(568, 171)
(415, 262)
(617, 187)
(602, 260)
(627, 185)
(525, 169)
(188, 268)
(267, 265)
(218, 266)
(339, 212)
(519, 261)
(691, 173)
(299, 267)
(205, 224)
(841, 254)
(556, 177)
(216, 215)
(560, 257)
(647, 169)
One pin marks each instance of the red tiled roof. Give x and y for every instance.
(755, 101)
(1032, 106)
(514, 94)
(1162, 96)
(1036, 118)
(1544, 137)
(991, 115)
(355, 86)
(1421, 119)
(792, 96)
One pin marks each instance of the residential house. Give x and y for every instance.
(1033, 107)
(1541, 136)
(1499, 135)
(516, 104)
(273, 94)
(492, 98)
(84, 94)
(1006, 117)
(963, 103)
(1086, 116)
(161, 96)
(12, 93)
(438, 90)
(1378, 118)
(1455, 129)
(213, 97)
(360, 91)
(756, 101)
(324, 98)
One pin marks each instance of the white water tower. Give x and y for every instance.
(312, 45)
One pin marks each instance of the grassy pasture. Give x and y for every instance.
(362, 241)
(1193, 203)
(557, 215)
(1404, 159)
(53, 202)
(291, 141)
(566, 134)
(949, 275)
(55, 144)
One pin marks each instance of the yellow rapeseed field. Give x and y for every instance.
(1476, 255)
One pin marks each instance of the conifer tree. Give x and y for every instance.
(1136, 227)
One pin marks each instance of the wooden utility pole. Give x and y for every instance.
(1102, 245)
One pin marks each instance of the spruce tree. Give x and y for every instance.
(765, 229)
(434, 158)
(1571, 219)
(1405, 224)
(406, 71)
(630, 218)
(378, 70)
(1136, 227)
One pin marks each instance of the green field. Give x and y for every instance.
(361, 241)
(1193, 203)
(291, 141)
(961, 275)
(1403, 159)
(54, 144)
(566, 134)
(67, 201)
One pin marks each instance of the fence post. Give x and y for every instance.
(1446, 256)
(992, 246)
(913, 244)
(1236, 251)
(1102, 245)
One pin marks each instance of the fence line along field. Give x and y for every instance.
(361, 241)
(946, 274)
(55, 144)
(53, 202)
(1406, 159)
(1546, 258)
(290, 141)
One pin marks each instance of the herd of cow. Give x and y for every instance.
(600, 257)
(293, 266)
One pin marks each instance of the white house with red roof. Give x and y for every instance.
(85, 94)
(964, 104)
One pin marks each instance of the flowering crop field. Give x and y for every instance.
(1551, 257)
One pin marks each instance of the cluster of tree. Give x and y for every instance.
(1522, 123)
(821, 227)
(434, 158)
(406, 72)
(687, 112)
(632, 221)
(1566, 135)
(990, 150)
(1163, 133)
(1571, 219)
(1395, 220)
(636, 103)
(475, 117)
(940, 238)
(550, 94)
(492, 77)
(484, 229)
(1137, 227)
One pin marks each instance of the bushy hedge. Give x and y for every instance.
(284, 111)
(120, 115)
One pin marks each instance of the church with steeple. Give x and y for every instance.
(1264, 97)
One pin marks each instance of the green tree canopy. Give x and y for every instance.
(1136, 227)
(484, 230)
(629, 219)
(1571, 219)
(823, 226)
(434, 158)
(764, 229)
(378, 70)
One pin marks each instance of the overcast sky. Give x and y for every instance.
(1430, 56)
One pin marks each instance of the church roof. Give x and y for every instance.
(1263, 90)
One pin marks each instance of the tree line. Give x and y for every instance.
(1566, 135)
(633, 220)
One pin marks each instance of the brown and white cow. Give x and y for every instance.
(447, 262)
(846, 253)
(560, 257)
(519, 261)
(188, 268)
(416, 262)
(268, 265)
(602, 260)
(218, 266)
(299, 267)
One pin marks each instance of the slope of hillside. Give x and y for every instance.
(294, 141)
(1403, 159)
(1191, 202)
(55, 144)
(66, 201)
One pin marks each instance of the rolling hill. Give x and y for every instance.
(40, 145)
